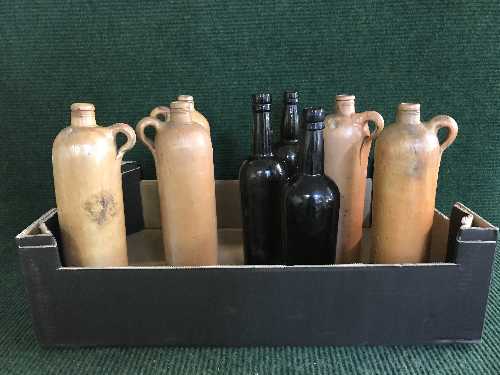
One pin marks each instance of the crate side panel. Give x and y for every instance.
(260, 306)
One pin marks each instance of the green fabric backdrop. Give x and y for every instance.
(127, 57)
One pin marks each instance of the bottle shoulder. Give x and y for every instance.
(265, 167)
(335, 120)
(200, 119)
(282, 149)
(89, 144)
(185, 135)
(71, 136)
(407, 138)
(344, 127)
(320, 185)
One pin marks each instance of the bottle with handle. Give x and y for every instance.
(88, 189)
(311, 203)
(347, 146)
(287, 149)
(162, 113)
(261, 181)
(407, 159)
(184, 166)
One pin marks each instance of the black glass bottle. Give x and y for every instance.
(311, 204)
(287, 148)
(261, 180)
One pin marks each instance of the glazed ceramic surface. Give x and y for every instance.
(261, 181)
(311, 204)
(407, 159)
(88, 188)
(184, 166)
(347, 147)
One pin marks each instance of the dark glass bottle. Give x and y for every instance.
(261, 180)
(287, 149)
(311, 204)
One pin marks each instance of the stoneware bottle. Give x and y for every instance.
(287, 149)
(347, 147)
(261, 180)
(88, 188)
(407, 158)
(311, 204)
(184, 167)
(162, 112)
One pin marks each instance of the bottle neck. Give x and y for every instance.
(180, 116)
(190, 102)
(262, 134)
(82, 119)
(345, 107)
(312, 153)
(408, 117)
(290, 123)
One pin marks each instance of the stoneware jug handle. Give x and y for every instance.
(161, 110)
(128, 132)
(374, 117)
(443, 121)
(141, 127)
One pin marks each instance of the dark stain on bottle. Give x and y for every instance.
(101, 207)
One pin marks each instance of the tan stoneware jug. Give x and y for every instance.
(184, 166)
(407, 158)
(163, 112)
(347, 146)
(88, 187)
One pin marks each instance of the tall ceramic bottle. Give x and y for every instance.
(347, 146)
(261, 181)
(407, 158)
(162, 112)
(88, 188)
(184, 166)
(287, 149)
(311, 204)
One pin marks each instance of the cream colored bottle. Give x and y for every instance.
(88, 188)
(163, 112)
(347, 146)
(407, 159)
(184, 166)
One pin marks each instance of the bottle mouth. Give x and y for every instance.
(261, 102)
(314, 118)
(185, 98)
(180, 106)
(344, 97)
(82, 107)
(261, 107)
(409, 107)
(83, 115)
(262, 98)
(291, 97)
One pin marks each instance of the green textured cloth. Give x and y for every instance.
(127, 57)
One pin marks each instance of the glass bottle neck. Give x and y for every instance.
(290, 123)
(312, 153)
(262, 134)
